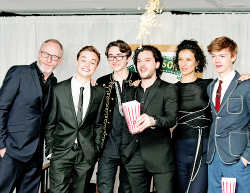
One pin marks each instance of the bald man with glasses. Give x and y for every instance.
(25, 101)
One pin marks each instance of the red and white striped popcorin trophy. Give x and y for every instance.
(228, 185)
(131, 110)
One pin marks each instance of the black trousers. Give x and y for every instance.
(71, 173)
(24, 176)
(184, 153)
(140, 178)
(107, 169)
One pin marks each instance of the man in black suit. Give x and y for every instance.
(118, 54)
(150, 152)
(75, 127)
(25, 100)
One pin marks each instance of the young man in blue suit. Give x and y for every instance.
(25, 100)
(229, 146)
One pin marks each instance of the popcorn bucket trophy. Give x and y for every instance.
(228, 185)
(131, 110)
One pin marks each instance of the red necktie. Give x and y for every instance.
(217, 99)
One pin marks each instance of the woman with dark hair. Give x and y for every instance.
(194, 119)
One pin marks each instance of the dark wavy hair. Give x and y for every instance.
(123, 46)
(156, 53)
(193, 46)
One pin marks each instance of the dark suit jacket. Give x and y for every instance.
(62, 128)
(21, 112)
(107, 82)
(156, 144)
(230, 128)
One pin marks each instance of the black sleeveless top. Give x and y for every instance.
(194, 109)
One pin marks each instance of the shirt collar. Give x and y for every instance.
(79, 85)
(127, 79)
(229, 77)
(155, 82)
(40, 74)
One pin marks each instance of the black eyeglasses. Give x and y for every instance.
(46, 55)
(118, 58)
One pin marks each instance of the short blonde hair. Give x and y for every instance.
(90, 49)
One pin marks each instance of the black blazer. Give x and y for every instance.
(21, 112)
(156, 144)
(107, 82)
(62, 128)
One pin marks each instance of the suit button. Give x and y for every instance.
(112, 99)
(218, 117)
(110, 111)
(108, 122)
(142, 102)
(136, 140)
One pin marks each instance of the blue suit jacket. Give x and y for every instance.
(22, 116)
(230, 127)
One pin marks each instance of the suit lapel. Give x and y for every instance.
(229, 90)
(211, 95)
(53, 82)
(36, 82)
(68, 93)
(151, 94)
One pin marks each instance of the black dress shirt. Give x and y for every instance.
(44, 84)
(112, 148)
(141, 96)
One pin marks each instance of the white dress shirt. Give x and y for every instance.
(75, 89)
(226, 82)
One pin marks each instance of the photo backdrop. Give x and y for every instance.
(21, 37)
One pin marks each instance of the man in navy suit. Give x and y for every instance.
(229, 146)
(25, 100)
